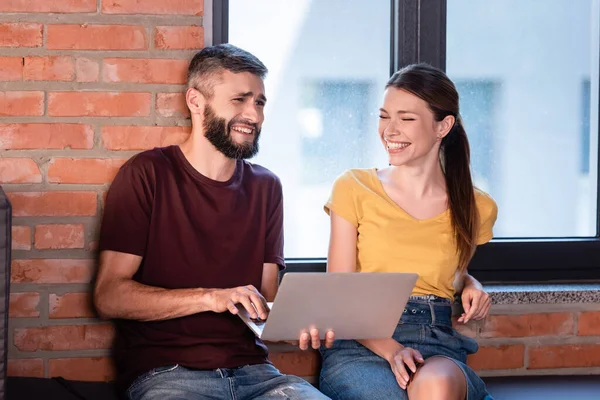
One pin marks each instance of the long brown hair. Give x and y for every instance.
(434, 87)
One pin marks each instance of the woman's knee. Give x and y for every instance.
(438, 379)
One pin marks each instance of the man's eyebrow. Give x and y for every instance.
(250, 94)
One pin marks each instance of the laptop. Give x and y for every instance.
(357, 305)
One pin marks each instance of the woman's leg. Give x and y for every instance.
(438, 379)
(352, 372)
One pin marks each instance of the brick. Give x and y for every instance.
(87, 70)
(497, 357)
(19, 170)
(71, 305)
(46, 136)
(178, 37)
(43, 271)
(21, 104)
(96, 37)
(21, 238)
(53, 68)
(83, 170)
(63, 236)
(11, 68)
(589, 323)
(93, 369)
(145, 70)
(26, 367)
(21, 35)
(24, 305)
(528, 325)
(46, 6)
(564, 356)
(61, 338)
(160, 7)
(142, 137)
(53, 204)
(172, 105)
(99, 104)
(469, 329)
(298, 363)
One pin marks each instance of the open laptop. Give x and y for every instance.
(360, 305)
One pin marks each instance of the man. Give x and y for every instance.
(188, 233)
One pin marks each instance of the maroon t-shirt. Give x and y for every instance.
(192, 232)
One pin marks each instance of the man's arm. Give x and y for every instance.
(117, 295)
(270, 281)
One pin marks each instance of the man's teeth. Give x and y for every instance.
(392, 145)
(243, 130)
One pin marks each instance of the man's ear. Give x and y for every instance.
(445, 126)
(195, 101)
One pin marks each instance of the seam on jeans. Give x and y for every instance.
(149, 375)
(437, 304)
(432, 312)
(231, 388)
(331, 388)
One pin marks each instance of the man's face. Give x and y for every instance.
(233, 117)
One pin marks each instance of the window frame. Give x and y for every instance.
(418, 34)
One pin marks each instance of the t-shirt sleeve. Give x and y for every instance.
(274, 230)
(127, 210)
(342, 199)
(488, 213)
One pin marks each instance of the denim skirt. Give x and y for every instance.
(350, 371)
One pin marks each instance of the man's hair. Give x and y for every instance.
(207, 65)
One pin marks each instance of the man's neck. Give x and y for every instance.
(206, 159)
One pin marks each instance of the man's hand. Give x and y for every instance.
(401, 360)
(476, 303)
(226, 299)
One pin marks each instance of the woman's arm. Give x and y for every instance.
(342, 258)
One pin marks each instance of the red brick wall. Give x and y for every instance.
(84, 88)
(84, 84)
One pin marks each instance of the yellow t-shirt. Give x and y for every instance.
(391, 240)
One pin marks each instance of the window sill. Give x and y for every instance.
(544, 293)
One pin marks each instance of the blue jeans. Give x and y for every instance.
(350, 371)
(261, 381)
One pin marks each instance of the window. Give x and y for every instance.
(527, 75)
(479, 108)
(539, 55)
(327, 64)
(333, 114)
(586, 99)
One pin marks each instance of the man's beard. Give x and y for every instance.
(218, 132)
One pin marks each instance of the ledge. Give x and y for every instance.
(544, 293)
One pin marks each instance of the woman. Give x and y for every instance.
(421, 214)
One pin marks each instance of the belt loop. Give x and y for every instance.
(220, 372)
(432, 311)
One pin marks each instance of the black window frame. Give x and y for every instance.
(418, 34)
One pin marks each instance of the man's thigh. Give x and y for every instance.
(265, 382)
(178, 383)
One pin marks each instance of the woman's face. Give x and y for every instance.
(408, 129)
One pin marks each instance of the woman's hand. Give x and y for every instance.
(475, 301)
(404, 364)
